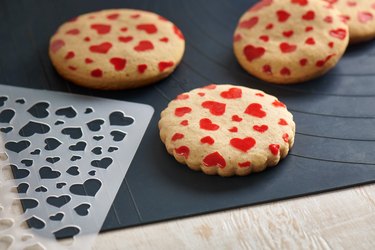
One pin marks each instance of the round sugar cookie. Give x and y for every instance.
(116, 49)
(290, 41)
(360, 16)
(227, 130)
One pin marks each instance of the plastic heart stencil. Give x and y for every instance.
(66, 178)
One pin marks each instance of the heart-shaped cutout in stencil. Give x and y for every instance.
(6, 115)
(21, 101)
(79, 146)
(58, 201)
(48, 173)
(22, 188)
(60, 185)
(27, 162)
(57, 217)
(92, 172)
(3, 99)
(89, 110)
(244, 144)
(68, 112)
(97, 150)
(89, 188)
(39, 110)
(82, 209)
(35, 222)
(103, 163)
(32, 128)
(215, 108)
(118, 118)
(36, 152)
(17, 146)
(73, 171)
(65, 232)
(28, 203)
(19, 173)
(6, 130)
(74, 133)
(52, 160)
(98, 137)
(42, 189)
(95, 125)
(112, 149)
(59, 122)
(75, 158)
(118, 135)
(52, 144)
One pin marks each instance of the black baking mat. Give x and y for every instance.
(335, 114)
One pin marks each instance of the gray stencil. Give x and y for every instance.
(68, 154)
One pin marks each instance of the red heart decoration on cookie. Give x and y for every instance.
(102, 48)
(260, 129)
(101, 28)
(365, 17)
(56, 45)
(149, 28)
(248, 24)
(182, 111)
(338, 33)
(253, 53)
(164, 65)
(287, 48)
(215, 108)
(300, 2)
(118, 63)
(255, 109)
(214, 160)
(144, 45)
(232, 93)
(244, 144)
(282, 16)
(207, 124)
(310, 15)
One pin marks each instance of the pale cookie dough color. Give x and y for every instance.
(360, 16)
(227, 130)
(290, 41)
(116, 49)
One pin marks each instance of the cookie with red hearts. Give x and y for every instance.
(290, 41)
(360, 16)
(116, 49)
(227, 130)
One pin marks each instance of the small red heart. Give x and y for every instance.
(365, 17)
(208, 139)
(233, 129)
(288, 33)
(178, 32)
(97, 73)
(260, 129)
(264, 38)
(274, 148)
(125, 39)
(182, 111)
(248, 24)
(56, 45)
(310, 41)
(164, 65)
(278, 104)
(102, 48)
(113, 16)
(282, 122)
(183, 151)
(232, 93)
(149, 28)
(72, 32)
(253, 53)
(286, 137)
(300, 2)
(144, 46)
(255, 109)
(177, 136)
(285, 71)
(282, 15)
(118, 63)
(338, 33)
(236, 118)
(88, 60)
(303, 62)
(69, 55)
(287, 48)
(244, 144)
(101, 28)
(245, 164)
(207, 124)
(164, 39)
(215, 108)
(142, 68)
(214, 160)
(309, 15)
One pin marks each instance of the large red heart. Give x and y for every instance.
(207, 124)
(300, 2)
(144, 45)
(338, 33)
(253, 53)
(149, 28)
(215, 108)
(248, 24)
(282, 15)
(287, 48)
(214, 160)
(365, 17)
(101, 28)
(255, 109)
(244, 144)
(102, 48)
(118, 63)
(232, 93)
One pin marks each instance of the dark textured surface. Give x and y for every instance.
(335, 114)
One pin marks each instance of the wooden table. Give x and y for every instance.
(336, 220)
